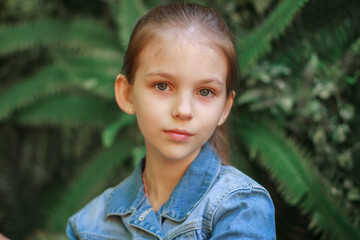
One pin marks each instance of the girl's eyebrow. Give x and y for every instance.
(170, 76)
(213, 80)
(161, 74)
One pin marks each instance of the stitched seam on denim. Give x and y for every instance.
(130, 210)
(190, 230)
(110, 196)
(207, 190)
(244, 185)
(90, 234)
(253, 189)
(183, 229)
(140, 202)
(198, 202)
(145, 230)
(240, 190)
(112, 191)
(252, 184)
(75, 227)
(241, 175)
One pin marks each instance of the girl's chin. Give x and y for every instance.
(178, 155)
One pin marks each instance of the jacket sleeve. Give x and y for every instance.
(245, 214)
(70, 231)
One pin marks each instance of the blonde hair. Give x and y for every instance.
(209, 25)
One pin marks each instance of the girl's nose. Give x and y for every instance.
(182, 108)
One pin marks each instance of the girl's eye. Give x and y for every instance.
(161, 86)
(205, 92)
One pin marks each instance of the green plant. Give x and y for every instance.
(71, 97)
(310, 91)
(297, 179)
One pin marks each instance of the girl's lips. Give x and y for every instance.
(178, 135)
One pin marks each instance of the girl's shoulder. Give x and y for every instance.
(232, 178)
(238, 204)
(234, 187)
(88, 215)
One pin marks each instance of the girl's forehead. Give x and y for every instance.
(168, 42)
(193, 35)
(183, 58)
(163, 52)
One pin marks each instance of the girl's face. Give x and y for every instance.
(179, 96)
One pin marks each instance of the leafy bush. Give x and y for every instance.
(60, 123)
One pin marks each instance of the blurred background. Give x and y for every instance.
(295, 127)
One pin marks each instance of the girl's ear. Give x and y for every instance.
(227, 108)
(123, 94)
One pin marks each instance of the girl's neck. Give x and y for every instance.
(161, 177)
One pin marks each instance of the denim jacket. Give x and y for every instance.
(211, 201)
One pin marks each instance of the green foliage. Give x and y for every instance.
(68, 111)
(110, 133)
(90, 182)
(98, 78)
(126, 13)
(85, 34)
(297, 179)
(40, 235)
(328, 35)
(66, 73)
(315, 105)
(257, 43)
(25, 92)
(314, 102)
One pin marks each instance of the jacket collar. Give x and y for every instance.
(198, 178)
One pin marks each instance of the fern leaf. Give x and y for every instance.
(88, 183)
(328, 35)
(41, 235)
(79, 34)
(110, 64)
(53, 79)
(153, 3)
(239, 160)
(297, 180)
(109, 134)
(257, 43)
(48, 81)
(329, 43)
(69, 111)
(127, 13)
(90, 72)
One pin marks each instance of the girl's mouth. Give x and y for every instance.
(178, 134)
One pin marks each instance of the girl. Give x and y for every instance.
(179, 70)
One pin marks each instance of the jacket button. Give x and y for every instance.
(144, 214)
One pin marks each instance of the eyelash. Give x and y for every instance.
(160, 83)
(167, 87)
(210, 92)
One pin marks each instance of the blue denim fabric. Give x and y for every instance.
(211, 201)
